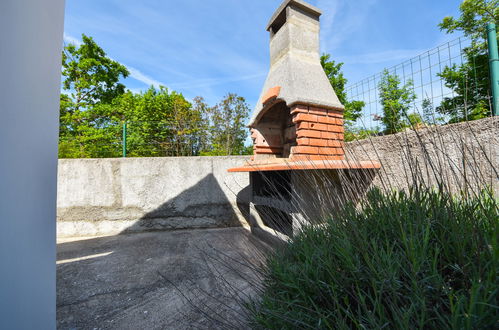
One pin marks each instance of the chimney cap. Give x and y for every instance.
(298, 3)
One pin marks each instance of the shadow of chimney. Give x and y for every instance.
(204, 205)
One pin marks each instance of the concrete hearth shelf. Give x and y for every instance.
(287, 165)
(276, 203)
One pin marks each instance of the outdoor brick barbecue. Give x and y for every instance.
(298, 121)
(297, 124)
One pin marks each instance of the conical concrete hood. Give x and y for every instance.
(296, 75)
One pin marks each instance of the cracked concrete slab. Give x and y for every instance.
(175, 280)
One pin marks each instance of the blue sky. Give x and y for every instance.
(210, 48)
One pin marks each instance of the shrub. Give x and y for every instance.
(421, 259)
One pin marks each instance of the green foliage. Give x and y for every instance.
(429, 113)
(353, 133)
(90, 79)
(395, 100)
(353, 109)
(89, 75)
(226, 126)
(471, 84)
(475, 14)
(423, 259)
(470, 80)
(414, 120)
(160, 123)
(247, 150)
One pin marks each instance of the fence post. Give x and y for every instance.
(124, 139)
(494, 67)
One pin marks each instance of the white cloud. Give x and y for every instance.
(137, 75)
(338, 27)
(187, 84)
(216, 81)
(329, 9)
(71, 40)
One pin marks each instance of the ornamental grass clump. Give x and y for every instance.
(417, 259)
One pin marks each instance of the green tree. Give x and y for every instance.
(89, 75)
(429, 113)
(159, 123)
(475, 14)
(353, 109)
(470, 80)
(414, 120)
(353, 133)
(90, 78)
(396, 100)
(226, 126)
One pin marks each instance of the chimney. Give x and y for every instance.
(298, 115)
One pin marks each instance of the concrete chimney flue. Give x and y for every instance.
(295, 60)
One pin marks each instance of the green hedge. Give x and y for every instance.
(422, 259)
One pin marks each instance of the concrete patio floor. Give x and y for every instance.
(187, 279)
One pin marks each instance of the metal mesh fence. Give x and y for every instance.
(424, 75)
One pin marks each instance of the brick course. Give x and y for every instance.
(319, 133)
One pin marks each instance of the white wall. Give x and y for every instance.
(30, 59)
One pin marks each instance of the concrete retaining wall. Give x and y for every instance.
(110, 196)
(463, 156)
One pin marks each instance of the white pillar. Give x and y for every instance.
(31, 34)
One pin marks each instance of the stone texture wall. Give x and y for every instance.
(110, 196)
(463, 155)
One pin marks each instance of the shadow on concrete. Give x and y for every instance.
(243, 199)
(204, 205)
(176, 280)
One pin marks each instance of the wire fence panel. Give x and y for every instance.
(424, 76)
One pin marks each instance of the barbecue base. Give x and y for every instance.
(286, 195)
